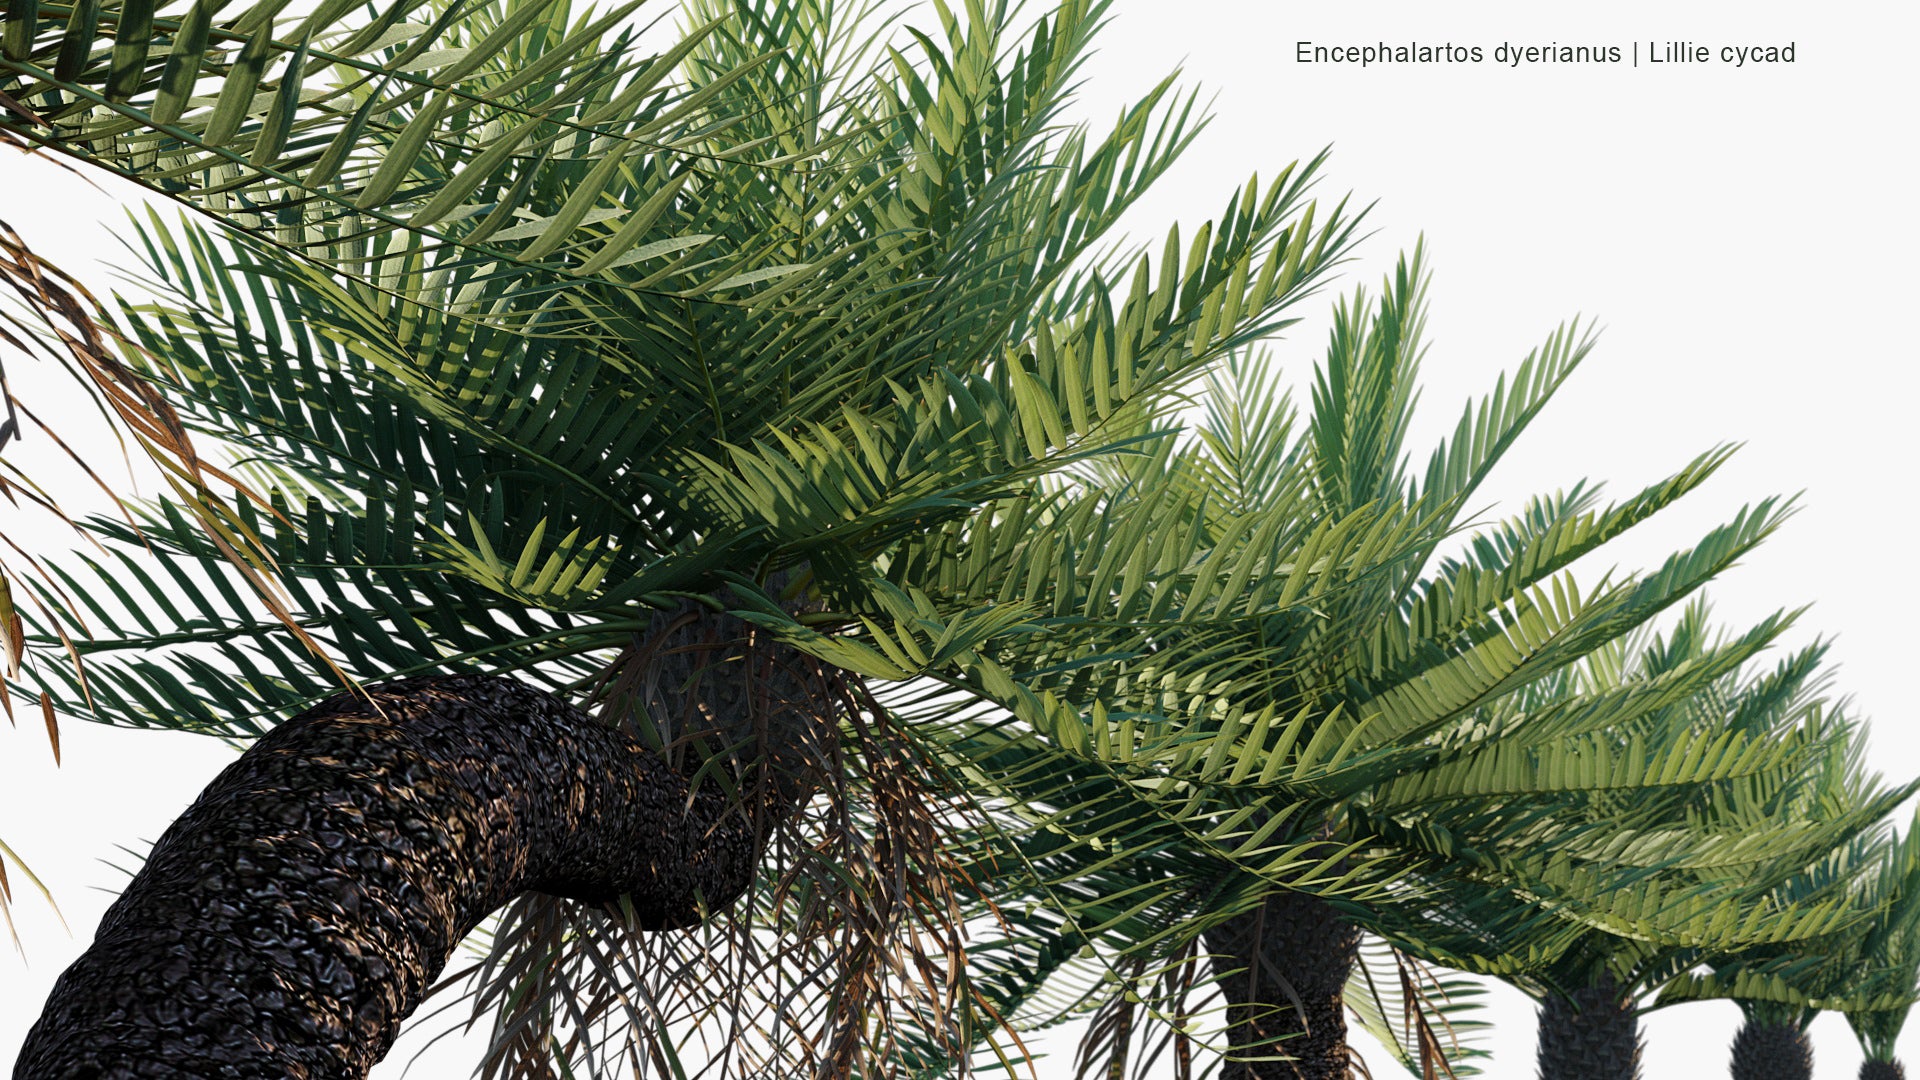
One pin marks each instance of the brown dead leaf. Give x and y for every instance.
(53, 725)
(68, 324)
(21, 111)
(13, 634)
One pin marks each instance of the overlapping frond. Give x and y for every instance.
(1244, 640)
(1866, 970)
(525, 354)
(1682, 868)
(376, 130)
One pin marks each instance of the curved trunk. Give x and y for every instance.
(1592, 1035)
(1871, 1069)
(1293, 946)
(1772, 1051)
(296, 913)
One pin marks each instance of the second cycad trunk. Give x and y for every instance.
(1591, 1034)
(1292, 941)
(1772, 1050)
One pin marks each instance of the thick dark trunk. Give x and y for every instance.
(1292, 941)
(289, 921)
(1592, 1035)
(1871, 1069)
(1764, 1051)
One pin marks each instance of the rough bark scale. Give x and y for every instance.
(289, 921)
(1772, 1052)
(1299, 938)
(1882, 1070)
(1592, 1035)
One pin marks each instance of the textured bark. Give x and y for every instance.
(1882, 1070)
(1592, 1035)
(1772, 1052)
(1292, 940)
(289, 921)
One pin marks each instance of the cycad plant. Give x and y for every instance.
(1367, 709)
(1765, 860)
(354, 139)
(1629, 891)
(573, 381)
(747, 396)
(332, 135)
(1890, 957)
(1865, 972)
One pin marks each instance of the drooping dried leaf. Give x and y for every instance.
(62, 320)
(6, 893)
(13, 637)
(847, 959)
(53, 725)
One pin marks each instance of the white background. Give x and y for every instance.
(1746, 237)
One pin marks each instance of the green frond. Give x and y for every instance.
(354, 128)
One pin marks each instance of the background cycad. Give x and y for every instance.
(1484, 767)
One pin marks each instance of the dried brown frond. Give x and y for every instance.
(1423, 999)
(53, 316)
(1108, 1044)
(1183, 994)
(24, 113)
(1169, 1003)
(1416, 1007)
